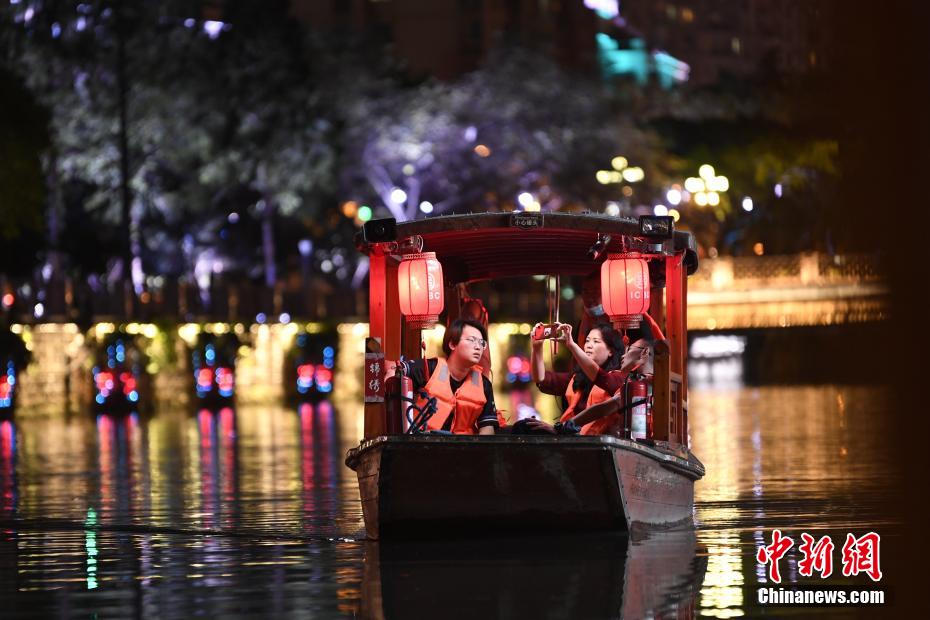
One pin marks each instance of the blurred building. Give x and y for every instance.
(738, 37)
(624, 52)
(446, 38)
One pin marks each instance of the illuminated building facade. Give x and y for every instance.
(447, 38)
(718, 38)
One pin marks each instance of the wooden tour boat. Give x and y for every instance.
(423, 484)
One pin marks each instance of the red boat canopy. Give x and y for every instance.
(496, 245)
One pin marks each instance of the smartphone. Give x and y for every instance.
(549, 330)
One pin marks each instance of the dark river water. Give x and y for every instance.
(251, 513)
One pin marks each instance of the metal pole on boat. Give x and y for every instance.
(553, 290)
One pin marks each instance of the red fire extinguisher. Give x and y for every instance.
(641, 410)
(398, 396)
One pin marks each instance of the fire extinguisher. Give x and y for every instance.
(398, 396)
(637, 395)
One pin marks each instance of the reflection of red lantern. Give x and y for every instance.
(419, 282)
(625, 289)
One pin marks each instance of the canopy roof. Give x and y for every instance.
(496, 245)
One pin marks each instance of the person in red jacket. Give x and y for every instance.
(463, 396)
(596, 376)
(604, 417)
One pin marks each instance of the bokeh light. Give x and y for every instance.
(398, 196)
(350, 208)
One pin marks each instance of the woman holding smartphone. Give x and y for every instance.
(596, 376)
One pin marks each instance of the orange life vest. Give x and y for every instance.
(466, 404)
(597, 395)
(608, 425)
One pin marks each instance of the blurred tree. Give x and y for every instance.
(519, 126)
(791, 183)
(23, 139)
(232, 128)
(202, 118)
(794, 186)
(269, 136)
(775, 148)
(64, 52)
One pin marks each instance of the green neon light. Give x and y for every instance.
(90, 545)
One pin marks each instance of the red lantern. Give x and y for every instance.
(625, 289)
(419, 283)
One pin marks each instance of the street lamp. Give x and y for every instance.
(622, 172)
(706, 188)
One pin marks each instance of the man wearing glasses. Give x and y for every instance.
(464, 397)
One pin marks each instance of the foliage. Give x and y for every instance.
(23, 138)
(248, 133)
(217, 121)
(517, 125)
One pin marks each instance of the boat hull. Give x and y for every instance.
(443, 486)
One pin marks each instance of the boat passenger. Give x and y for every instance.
(464, 396)
(473, 309)
(604, 417)
(596, 374)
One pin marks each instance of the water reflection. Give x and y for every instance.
(250, 512)
(320, 462)
(216, 513)
(8, 491)
(217, 460)
(802, 459)
(551, 577)
(119, 463)
(715, 374)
